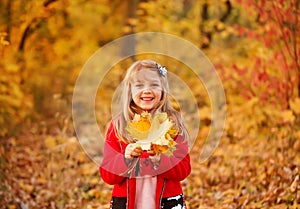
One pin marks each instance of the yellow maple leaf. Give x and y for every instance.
(153, 134)
(141, 122)
(157, 132)
(139, 127)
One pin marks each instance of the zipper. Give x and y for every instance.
(162, 192)
(127, 199)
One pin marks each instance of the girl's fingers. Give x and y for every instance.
(151, 152)
(129, 151)
(136, 152)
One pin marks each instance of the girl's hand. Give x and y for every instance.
(151, 152)
(132, 151)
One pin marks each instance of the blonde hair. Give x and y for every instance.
(128, 108)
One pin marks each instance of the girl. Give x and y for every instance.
(145, 88)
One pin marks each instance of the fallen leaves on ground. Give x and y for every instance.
(53, 172)
(249, 173)
(49, 172)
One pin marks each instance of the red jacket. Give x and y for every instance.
(170, 171)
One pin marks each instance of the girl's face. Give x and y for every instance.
(146, 89)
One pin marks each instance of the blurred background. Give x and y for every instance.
(254, 46)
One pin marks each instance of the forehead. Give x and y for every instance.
(146, 75)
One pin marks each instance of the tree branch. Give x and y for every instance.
(24, 37)
(228, 11)
(48, 2)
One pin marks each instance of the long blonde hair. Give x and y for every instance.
(128, 108)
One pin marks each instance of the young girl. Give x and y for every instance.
(145, 89)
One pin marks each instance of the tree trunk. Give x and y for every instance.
(206, 35)
(130, 14)
(8, 19)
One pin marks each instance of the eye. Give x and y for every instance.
(138, 85)
(155, 84)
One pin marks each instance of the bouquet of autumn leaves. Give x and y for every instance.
(152, 133)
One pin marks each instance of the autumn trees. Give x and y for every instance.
(253, 44)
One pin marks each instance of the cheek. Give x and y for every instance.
(159, 94)
(134, 92)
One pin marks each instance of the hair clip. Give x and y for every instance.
(162, 70)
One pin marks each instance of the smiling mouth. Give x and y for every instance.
(147, 99)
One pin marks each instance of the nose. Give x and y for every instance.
(147, 90)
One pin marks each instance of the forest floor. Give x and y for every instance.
(53, 171)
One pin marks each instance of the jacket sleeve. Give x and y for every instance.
(176, 167)
(113, 168)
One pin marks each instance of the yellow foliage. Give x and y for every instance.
(15, 103)
(295, 105)
(153, 133)
(88, 169)
(50, 142)
(141, 122)
(27, 187)
(288, 116)
(205, 112)
(139, 127)
(64, 34)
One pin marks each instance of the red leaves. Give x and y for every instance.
(241, 31)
